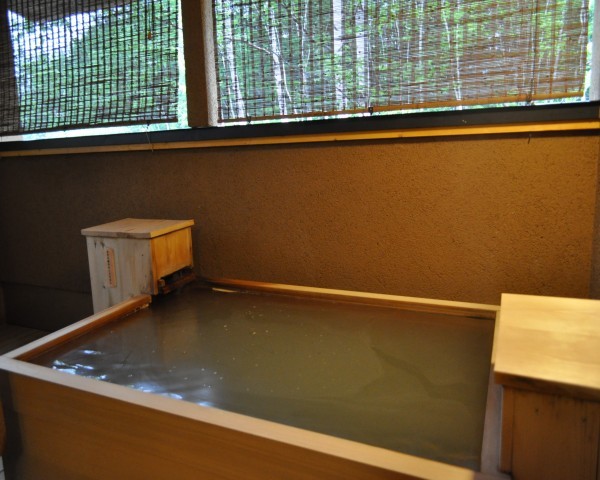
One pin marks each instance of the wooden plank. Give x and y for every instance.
(549, 344)
(131, 270)
(136, 228)
(171, 253)
(79, 328)
(506, 443)
(492, 432)
(562, 126)
(96, 265)
(554, 437)
(71, 425)
(493, 448)
(410, 303)
(12, 337)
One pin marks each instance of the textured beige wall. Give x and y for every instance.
(595, 281)
(461, 219)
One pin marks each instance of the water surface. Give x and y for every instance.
(407, 381)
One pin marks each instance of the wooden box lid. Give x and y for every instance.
(549, 344)
(136, 228)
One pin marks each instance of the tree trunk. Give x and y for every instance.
(237, 103)
(338, 45)
(361, 58)
(278, 72)
(450, 28)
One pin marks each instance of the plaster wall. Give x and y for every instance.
(459, 219)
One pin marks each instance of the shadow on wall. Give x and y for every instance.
(2, 312)
(42, 308)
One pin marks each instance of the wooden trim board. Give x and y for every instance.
(92, 322)
(553, 437)
(111, 420)
(549, 344)
(410, 303)
(136, 228)
(506, 445)
(512, 128)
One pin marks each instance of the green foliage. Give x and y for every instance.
(117, 65)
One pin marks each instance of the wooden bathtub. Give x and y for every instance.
(78, 426)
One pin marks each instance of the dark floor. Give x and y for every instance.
(13, 336)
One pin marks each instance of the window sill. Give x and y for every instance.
(501, 121)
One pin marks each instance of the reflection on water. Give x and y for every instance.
(407, 381)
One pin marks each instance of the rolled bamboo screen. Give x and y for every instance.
(87, 63)
(290, 58)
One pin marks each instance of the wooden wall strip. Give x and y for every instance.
(568, 126)
(94, 321)
(70, 425)
(410, 303)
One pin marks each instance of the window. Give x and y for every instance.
(107, 63)
(69, 65)
(293, 58)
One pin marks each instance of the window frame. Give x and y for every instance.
(539, 120)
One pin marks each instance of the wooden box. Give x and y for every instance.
(65, 426)
(130, 257)
(547, 360)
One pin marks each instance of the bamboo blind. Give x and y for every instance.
(289, 58)
(86, 63)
